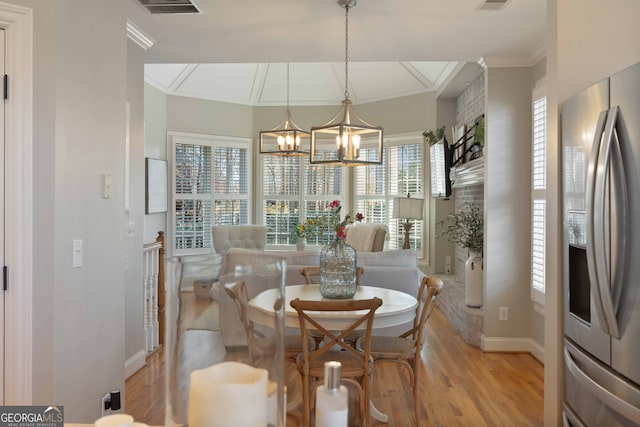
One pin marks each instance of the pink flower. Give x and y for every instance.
(359, 217)
(334, 204)
(341, 232)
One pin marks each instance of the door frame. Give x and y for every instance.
(17, 21)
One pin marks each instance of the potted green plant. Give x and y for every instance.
(432, 137)
(465, 228)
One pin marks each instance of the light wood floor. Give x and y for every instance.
(461, 386)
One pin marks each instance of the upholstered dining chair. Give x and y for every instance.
(355, 364)
(406, 348)
(259, 345)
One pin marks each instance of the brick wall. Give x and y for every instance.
(470, 105)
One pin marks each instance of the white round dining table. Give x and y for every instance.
(397, 307)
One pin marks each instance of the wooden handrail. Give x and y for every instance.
(161, 296)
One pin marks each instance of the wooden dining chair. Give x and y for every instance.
(258, 345)
(355, 364)
(312, 276)
(406, 348)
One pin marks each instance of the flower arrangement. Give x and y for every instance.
(334, 219)
(313, 227)
(465, 227)
(307, 229)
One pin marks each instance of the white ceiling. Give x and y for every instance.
(237, 51)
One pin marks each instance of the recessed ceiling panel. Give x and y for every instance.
(432, 71)
(223, 82)
(310, 84)
(374, 81)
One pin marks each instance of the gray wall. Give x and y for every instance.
(208, 117)
(134, 337)
(507, 201)
(155, 147)
(80, 63)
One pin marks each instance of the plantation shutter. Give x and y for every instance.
(376, 186)
(538, 193)
(192, 200)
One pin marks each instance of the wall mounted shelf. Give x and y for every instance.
(467, 174)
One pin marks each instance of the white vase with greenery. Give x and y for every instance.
(466, 228)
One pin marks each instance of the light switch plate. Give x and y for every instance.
(77, 254)
(106, 186)
(131, 230)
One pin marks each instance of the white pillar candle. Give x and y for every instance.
(228, 394)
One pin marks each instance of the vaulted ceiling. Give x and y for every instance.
(237, 51)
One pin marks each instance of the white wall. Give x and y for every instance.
(155, 147)
(134, 295)
(595, 39)
(79, 92)
(507, 201)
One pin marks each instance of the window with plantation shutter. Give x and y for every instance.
(538, 194)
(537, 245)
(401, 172)
(292, 191)
(210, 186)
(540, 143)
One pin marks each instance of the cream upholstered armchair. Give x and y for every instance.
(366, 236)
(226, 237)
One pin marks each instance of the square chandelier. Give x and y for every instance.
(346, 139)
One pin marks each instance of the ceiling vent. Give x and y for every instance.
(492, 4)
(170, 6)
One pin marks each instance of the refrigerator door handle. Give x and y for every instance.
(622, 213)
(609, 149)
(604, 395)
(592, 261)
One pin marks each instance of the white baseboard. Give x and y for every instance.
(512, 345)
(134, 364)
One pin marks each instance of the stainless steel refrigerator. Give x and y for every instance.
(600, 130)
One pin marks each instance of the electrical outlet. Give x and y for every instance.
(503, 313)
(105, 404)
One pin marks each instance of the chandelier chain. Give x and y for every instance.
(346, 51)
(287, 86)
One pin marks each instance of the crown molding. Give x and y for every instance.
(539, 52)
(138, 36)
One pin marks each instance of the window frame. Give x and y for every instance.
(213, 141)
(394, 141)
(538, 194)
(301, 197)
